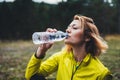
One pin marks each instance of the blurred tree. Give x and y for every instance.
(102, 13)
(118, 16)
(24, 19)
(43, 16)
(5, 21)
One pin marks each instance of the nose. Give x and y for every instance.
(68, 30)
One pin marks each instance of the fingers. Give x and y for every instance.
(46, 46)
(51, 30)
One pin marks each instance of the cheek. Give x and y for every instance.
(78, 35)
(77, 38)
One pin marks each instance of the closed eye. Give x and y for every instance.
(73, 26)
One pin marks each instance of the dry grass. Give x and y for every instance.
(112, 37)
(13, 59)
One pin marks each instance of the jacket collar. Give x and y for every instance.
(86, 59)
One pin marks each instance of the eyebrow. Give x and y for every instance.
(71, 25)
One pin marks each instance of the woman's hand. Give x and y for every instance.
(44, 47)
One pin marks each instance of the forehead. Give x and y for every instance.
(76, 22)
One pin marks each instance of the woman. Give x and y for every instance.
(78, 60)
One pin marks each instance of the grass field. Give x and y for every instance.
(14, 56)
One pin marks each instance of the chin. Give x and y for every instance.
(67, 42)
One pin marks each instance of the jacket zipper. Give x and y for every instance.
(75, 70)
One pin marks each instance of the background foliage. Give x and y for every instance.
(19, 19)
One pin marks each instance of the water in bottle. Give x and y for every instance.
(45, 37)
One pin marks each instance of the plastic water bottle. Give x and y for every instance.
(46, 37)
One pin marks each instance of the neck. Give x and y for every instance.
(79, 52)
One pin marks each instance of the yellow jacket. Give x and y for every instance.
(67, 68)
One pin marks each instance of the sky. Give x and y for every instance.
(47, 1)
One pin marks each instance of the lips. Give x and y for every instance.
(67, 37)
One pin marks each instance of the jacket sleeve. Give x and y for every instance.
(36, 66)
(106, 75)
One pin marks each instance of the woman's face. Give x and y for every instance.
(75, 33)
